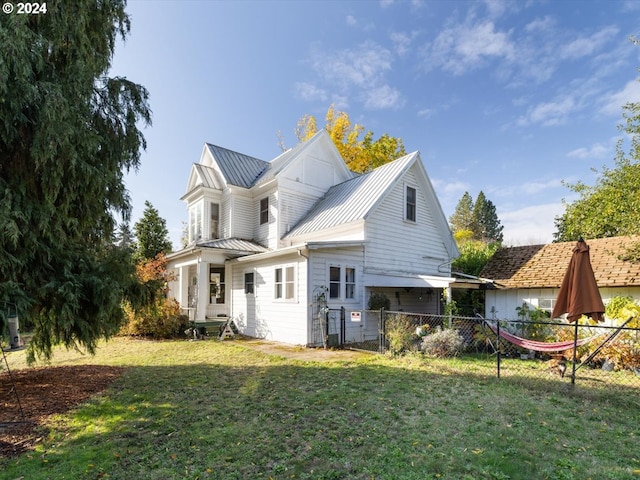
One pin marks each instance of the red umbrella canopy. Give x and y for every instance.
(579, 294)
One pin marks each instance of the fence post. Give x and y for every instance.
(382, 325)
(498, 347)
(343, 326)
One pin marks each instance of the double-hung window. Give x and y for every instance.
(410, 208)
(349, 283)
(334, 282)
(342, 283)
(216, 285)
(214, 221)
(284, 281)
(264, 210)
(249, 283)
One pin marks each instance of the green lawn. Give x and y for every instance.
(220, 410)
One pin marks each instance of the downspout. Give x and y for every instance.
(309, 294)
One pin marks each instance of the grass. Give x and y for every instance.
(212, 410)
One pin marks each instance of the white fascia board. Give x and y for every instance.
(352, 231)
(398, 281)
(271, 254)
(186, 263)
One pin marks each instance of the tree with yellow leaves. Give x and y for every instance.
(360, 155)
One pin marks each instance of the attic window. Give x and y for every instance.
(264, 211)
(410, 209)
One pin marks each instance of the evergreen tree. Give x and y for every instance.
(462, 218)
(152, 236)
(485, 223)
(124, 236)
(68, 135)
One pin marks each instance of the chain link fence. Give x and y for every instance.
(595, 355)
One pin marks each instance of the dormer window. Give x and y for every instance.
(215, 220)
(264, 211)
(195, 222)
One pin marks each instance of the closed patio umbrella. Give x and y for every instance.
(579, 294)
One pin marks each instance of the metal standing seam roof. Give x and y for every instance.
(207, 174)
(353, 199)
(238, 169)
(544, 266)
(237, 244)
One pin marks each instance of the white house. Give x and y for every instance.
(532, 274)
(272, 243)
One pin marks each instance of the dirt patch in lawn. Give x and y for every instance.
(43, 392)
(300, 352)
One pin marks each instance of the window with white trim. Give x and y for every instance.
(195, 222)
(264, 210)
(334, 282)
(349, 283)
(216, 285)
(342, 283)
(410, 204)
(214, 221)
(249, 283)
(284, 283)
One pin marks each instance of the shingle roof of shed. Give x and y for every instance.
(237, 168)
(540, 266)
(351, 200)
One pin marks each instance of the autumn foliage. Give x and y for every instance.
(360, 154)
(154, 315)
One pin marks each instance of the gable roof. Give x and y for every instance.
(286, 158)
(236, 168)
(352, 200)
(544, 266)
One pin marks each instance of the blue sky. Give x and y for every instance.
(511, 98)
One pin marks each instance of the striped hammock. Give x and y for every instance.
(540, 346)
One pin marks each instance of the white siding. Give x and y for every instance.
(320, 262)
(261, 315)
(422, 248)
(266, 234)
(293, 206)
(241, 215)
(225, 216)
(504, 302)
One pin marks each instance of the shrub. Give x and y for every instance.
(159, 320)
(400, 334)
(378, 301)
(442, 343)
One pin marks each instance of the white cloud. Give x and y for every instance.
(426, 113)
(383, 97)
(462, 48)
(449, 189)
(358, 73)
(530, 225)
(351, 21)
(497, 8)
(401, 41)
(363, 66)
(529, 188)
(549, 114)
(595, 151)
(613, 103)
(584, 46)
(541, 25)
(310, 92)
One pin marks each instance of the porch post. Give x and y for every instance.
(183, 287)
(203, 289)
